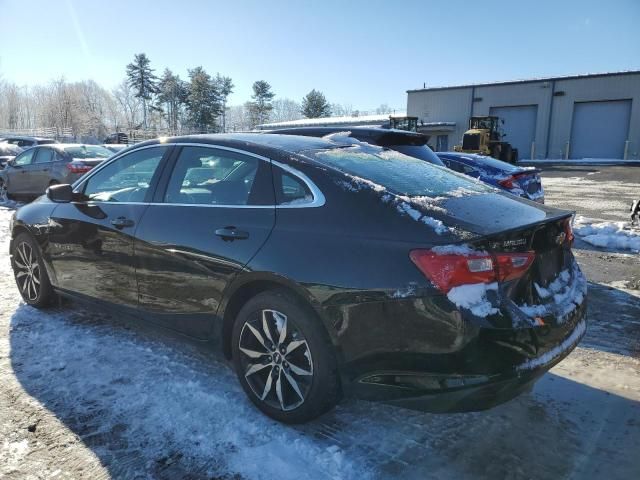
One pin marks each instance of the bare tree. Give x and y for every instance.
(285, 109)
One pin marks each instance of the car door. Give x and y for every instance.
(41, 169)
(212, 213)
(18, 173)
(91, 239)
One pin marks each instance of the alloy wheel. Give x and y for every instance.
(276, 360)
(27, 271)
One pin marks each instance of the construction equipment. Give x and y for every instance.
(484, 137)
(410, 124)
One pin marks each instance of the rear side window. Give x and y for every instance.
(290, 190)
(398, 173)
(209, 176)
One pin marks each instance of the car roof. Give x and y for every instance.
(252, 141)
(24, 137)
(376, 135)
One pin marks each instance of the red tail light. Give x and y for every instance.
(507, 182)
(448, 271)
(78, 167)
(568, 231)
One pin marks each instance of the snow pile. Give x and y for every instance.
(613, 235)
(474, 297)
(561, 297)
(556, 351)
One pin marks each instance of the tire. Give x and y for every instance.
(30, 273)
(505, 153)
(268, 373)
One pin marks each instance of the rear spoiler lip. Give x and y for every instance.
(527, 171)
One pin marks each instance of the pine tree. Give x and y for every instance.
(203, 100)
(225, 87)
(315, 105)
(144, 83)
(172, 95)
(261, 105)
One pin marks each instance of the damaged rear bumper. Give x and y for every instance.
(472, 390)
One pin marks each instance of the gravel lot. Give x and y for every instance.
(89, 396)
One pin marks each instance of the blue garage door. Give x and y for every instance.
(599, 129)
(519, 125)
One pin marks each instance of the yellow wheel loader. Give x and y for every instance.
(484, 137)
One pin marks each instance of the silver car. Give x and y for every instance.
(31, 172)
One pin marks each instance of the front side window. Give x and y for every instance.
(207, 176)
(127, 179)
(24, 158)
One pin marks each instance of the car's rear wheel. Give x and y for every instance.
(284, 359)
(30, 273)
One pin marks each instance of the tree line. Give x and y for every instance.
(151, 102)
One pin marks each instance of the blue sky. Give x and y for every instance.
(363, 53)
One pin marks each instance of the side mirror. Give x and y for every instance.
(60, 193)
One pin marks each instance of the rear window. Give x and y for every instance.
(45, 142)
(418, 151)
(88, 151)
(399, 173)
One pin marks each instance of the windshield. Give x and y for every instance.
(398, 173)
(88, 151)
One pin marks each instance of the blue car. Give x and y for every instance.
(523, 182)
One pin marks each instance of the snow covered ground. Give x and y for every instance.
(89, 396)
(611, 235)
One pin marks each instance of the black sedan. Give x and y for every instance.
(409, 143)
(320, 269)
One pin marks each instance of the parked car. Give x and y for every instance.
(409, 143)
(523, 182)
(117, 138)
(115, 147)
(8, 152)
(320, 269)
(27, 142)
(30, 173)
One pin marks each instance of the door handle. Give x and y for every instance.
(229, 234)
(122, 222)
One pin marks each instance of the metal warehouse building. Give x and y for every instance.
(581, 116)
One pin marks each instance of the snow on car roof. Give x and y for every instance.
(328, 121)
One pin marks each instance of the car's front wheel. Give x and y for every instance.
(30, 273)
(284, 359)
